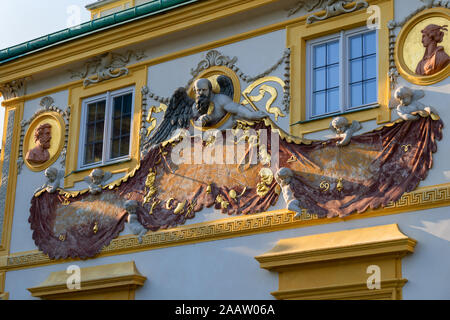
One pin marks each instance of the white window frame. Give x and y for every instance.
(344, 71)
(107, 129)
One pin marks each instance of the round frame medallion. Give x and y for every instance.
(56, 142)
(212, 74)
(409, 49)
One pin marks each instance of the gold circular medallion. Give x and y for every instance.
(43, 141)
(212, 74)
(422, 50)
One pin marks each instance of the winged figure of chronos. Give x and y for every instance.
(208, 109)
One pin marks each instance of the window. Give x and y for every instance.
(342, 72)
(106, 128)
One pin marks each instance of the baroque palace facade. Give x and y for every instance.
(229, 149)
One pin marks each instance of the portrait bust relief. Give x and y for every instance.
(43, 141)
(42, 136)
(422, 47)
(435, 58)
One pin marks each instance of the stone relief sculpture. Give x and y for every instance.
(96, 179)
(284, 178)
(13, 89)
(406, 102)
(208, 109)
(397, 51)
(133, 223)
(333, 8)
(106, 66)
(435, 58)
(42, 137)
(344, 130)
(53, 182)
(47, 108)
(317, 177)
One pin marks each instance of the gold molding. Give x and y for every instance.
(10, 200)
(297, 36)
(421, 199)
(137, 77)
(105, 282)
(348, 255)
(404, 70)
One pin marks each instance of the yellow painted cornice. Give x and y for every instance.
(118, 276)
(380, 240)
(124, 35)
(340, 265)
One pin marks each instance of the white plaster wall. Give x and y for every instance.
(226, 269)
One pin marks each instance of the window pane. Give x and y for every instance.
(90, 133)
(319, 79)
(100, 112)
(318, 103)
(99, 131)
(333, 101)
(121, 125)
(370, 67)
(370, 44)
(124, 146)
(355, 70)
(370, 91)
(116, 128)
(126, 127)
(117, 109)
(93, 143)
(333, 52)
(89, 153)
(356, 98)
(319, 55)
(92, 110)
(98, 151)
(127, 103)
(333, 76)
(115, 149)
(355, 47)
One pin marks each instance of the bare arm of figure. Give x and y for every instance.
(240, 111)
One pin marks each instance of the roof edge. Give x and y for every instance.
(87, 28)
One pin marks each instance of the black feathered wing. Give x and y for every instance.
(177, 116)
(226, 86)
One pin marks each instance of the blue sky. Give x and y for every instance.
(24, 20)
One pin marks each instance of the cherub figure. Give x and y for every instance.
(95, 180)
(54, 177)
(284, 178)
(344, 130)
(135, 226)
(406, 102)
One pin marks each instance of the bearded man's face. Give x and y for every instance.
(202, 97)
